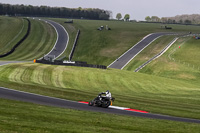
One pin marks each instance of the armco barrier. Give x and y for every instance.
(74, 46)
(18, 43)
(76, 63)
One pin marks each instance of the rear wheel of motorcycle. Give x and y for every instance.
(106, 104)
(91, 103)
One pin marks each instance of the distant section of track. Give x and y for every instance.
(124, 59)
(62, 39)
(50, 101)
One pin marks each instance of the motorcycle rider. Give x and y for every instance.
(107, 94)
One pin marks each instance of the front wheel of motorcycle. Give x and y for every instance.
(91, 103)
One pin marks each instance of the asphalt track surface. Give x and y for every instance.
(62, 39)
(56, 102)
(9, 62)
(123, 60)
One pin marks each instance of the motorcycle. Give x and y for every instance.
(101, 101)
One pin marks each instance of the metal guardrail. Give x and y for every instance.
(74, 46)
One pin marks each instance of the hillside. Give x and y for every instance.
(178, 63)
(169, 87)
(40, 41)
(12, 30)
(103, 47)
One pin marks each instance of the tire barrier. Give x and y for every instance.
(20, 41)
(74, 46)
(76, 63)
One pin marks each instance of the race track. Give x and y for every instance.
(62, 39)
(59, 48)
(9, 62)
(50, 101)
(123, 60)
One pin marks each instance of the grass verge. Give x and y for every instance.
(178, 63)
(20, 117)
(134, 90)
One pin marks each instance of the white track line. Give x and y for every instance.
(67, 39)
(37, 94)
(130, 49)
(57, 38)
(140, 51)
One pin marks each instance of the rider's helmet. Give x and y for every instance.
(107, 92)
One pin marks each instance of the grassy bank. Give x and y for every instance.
(12, 29)
(40, 41)
(178, 63)
(103, 47)
(134, 90)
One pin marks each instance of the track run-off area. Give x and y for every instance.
(57, 102)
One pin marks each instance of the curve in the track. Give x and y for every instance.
(124, 59)
(50, 101)
(62, 39)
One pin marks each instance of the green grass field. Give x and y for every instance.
(12, 30)
(178, 63)
(164, 86)
(134, 90)
(20, 117)
(40, 41)
(103, 47)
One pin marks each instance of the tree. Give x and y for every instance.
(187, 22)
(127, 17)
(181, 21)
(118, 16)
(155, 19)
(164, 20)
(24, 10)
(148, 19)
(169, 21)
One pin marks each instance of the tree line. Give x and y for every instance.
(29, 10)
(179, 19)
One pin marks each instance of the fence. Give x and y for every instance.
(74, 46)
(76, 63)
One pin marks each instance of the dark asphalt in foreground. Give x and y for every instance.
(123, 60)
(56, 102)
